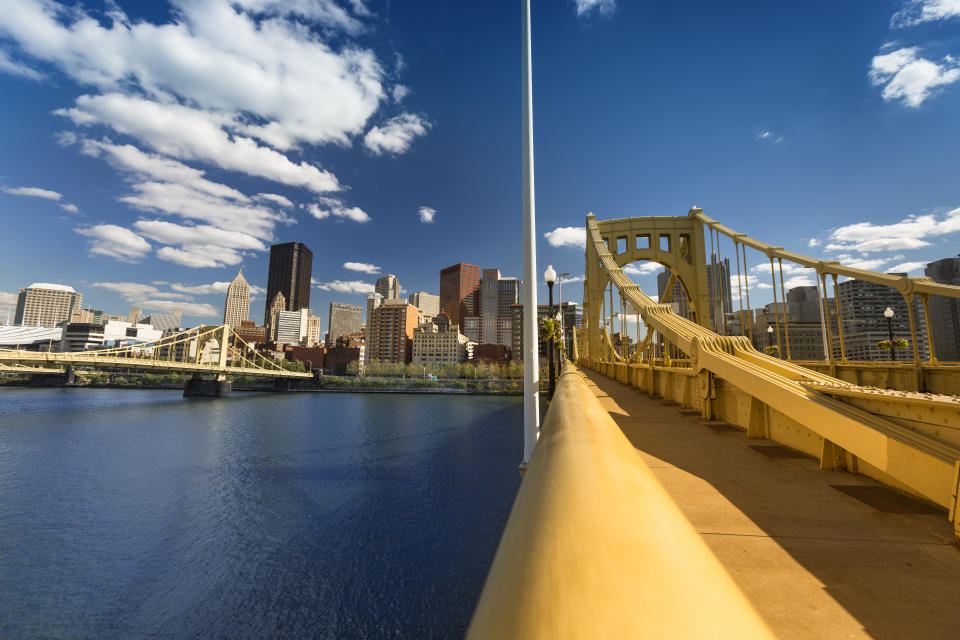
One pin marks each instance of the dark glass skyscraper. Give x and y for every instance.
(291, 265)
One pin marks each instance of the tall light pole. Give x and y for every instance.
(888, 314)
(769, 337)
(550, 276)
(531, 369)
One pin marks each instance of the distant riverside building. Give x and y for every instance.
(543, 311)
(945, 312)
(134, 315)
(291, 327)
(497, 294)
(82, 336)
(438, 343)
(861, 306)
(388, 286)
(163, 321)
(314, 326)
(95, 316)
(291, 266)
(473, 328)
(249, 332)
(459, 292)
(344, 319)
(30, 338)
(428, 303)
(278, 304)
(236, 308)
(390, 331)
(374, 300)
(681, 302)
(46, 305)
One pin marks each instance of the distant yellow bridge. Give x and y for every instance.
(213, 351)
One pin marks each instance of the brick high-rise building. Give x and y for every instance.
(291, 265)
(236, 309)
(460, 291)
(47, 305)
(390, 331)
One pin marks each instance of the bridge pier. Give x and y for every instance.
(55, 379)
(197, 386)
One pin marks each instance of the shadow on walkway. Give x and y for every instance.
(815, 561)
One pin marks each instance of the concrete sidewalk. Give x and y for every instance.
(815, 561)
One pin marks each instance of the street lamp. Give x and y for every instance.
(770, 336)
(888, 314)
(550, 276)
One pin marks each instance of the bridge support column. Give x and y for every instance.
(55, 379)
(199, 387)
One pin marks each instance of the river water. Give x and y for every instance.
(141, 514)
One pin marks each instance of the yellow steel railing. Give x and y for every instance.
(596, 548)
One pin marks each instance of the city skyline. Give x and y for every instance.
(842, 151)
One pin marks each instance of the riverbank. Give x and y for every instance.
(331, 384)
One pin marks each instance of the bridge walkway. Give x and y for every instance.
(815, 561)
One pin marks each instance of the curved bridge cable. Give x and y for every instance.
(922, 463)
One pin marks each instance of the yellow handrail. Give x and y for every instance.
(596, 548)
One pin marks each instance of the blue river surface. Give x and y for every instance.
(142, 514)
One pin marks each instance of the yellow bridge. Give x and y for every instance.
(212, 351)
(700, 488)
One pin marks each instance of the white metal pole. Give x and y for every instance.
(531, 368)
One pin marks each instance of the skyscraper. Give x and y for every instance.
(428, 303)
(391, 328)
(389, 287)
(374, 300)
(945, 312)
(861, 305)
(488, 305)
(47, 305)
(459, 292)
(291, 265)
(236, 308)
(344, 319)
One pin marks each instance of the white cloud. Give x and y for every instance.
(909, 78)
(33, 192)
(916, 11)
(605, 7)
(643, 268)
(214, 288)
(274, 198)
(771, 136)
(200, 310)
(340, 286)
(426, 214)
(813, 242)
(170, 233)
(7, 298)
(134, 291)
(115, 242)
(907, 267)
(567, 237)
(200, 255)
(72, 208)
(913, 232)
(8, 65)
(399, 92)
(396, 135)
(326, 207)
(194, 134)
(363, 267)
(872, 264)
(254, 57)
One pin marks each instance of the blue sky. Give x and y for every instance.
(147, 151)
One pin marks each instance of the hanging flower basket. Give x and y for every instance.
(898, 343)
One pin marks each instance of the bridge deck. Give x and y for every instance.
(816, 562)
